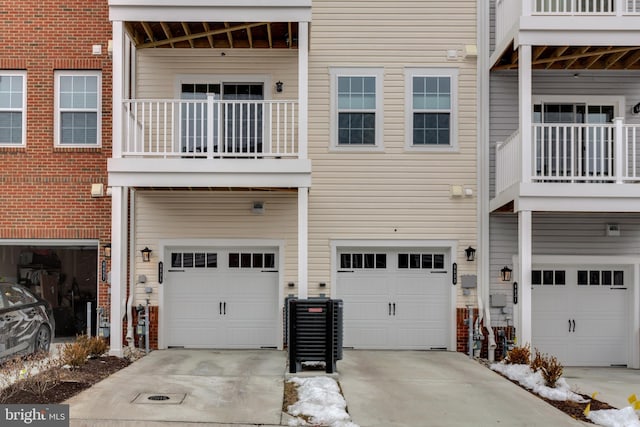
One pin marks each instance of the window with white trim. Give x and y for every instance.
(431, 108)
(78, 112)
(13, 108)
(356, 108)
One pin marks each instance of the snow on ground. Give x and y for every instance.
(533, 381)
(319, 399)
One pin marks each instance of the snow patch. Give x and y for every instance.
(319, 399)
(625, 417)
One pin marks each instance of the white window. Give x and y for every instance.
(431, 109)
(13, 108)
(356, 108)
(78, 112)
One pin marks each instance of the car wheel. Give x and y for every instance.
(42, 340)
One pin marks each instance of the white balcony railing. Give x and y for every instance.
(572, 153)
(210, 128)
(509, 11)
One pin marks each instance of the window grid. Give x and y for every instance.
(363, 261)
(78, 106)
(12, 108)
(424, 261)
(600, 278)
(431, 110)
(252, 260)
(356, 110)
(194, 260)
(548, 277)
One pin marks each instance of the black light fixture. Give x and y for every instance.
(505, 273)
(279, 86)
(107, 250)
(146, 254)
(470, 253)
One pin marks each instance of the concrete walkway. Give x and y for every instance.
(410, 389)
(614, 385)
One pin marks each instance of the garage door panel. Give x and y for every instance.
(411, 335)
(593, 352)
(363, 336)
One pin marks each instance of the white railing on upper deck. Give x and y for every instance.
(210, 128)
(572, 153)
(508, 162)
(509, 11)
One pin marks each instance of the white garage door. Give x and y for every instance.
(218, 298)
(580, 314)
(394, 299)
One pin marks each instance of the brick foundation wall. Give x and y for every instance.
(46, 190)
(153, 328)
(462, 341)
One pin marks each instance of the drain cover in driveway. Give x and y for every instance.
(160, 398)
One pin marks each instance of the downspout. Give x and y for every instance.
(484, 311)
(131, 298)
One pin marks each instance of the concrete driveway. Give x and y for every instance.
(245, 388)
(614, 385)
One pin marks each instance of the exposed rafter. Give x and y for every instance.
(167, 31)
(187, 31)
(575, 57)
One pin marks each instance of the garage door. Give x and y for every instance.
(217, 298)
(580, 314)
(394, 299)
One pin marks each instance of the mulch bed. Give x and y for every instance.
(73, 381)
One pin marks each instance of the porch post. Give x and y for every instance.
(118, 267)
(524, 276)
(303, 87)
(619, 144)
(303, 242)
(118, 88)
(524, 87)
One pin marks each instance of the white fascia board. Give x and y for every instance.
(209, 173)
(578, 198)
(580, 23)
(50, 242)
(214, 11)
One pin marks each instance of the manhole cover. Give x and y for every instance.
(158, 397)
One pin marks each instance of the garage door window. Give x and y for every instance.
(194, 260)
(421, 261)
(548, 277)
(600, 278)
(366, 261)
(252, 260)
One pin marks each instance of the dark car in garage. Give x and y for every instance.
(26, 322)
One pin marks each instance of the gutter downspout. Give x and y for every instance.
(131, 298)
(484, 311)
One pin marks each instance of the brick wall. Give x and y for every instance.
(153, 328)
(462, 342)
(45, 191)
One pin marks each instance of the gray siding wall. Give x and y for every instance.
(504, 97)
(557, 234)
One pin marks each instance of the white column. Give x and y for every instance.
(118, 267)
(635, 325)
(303, 242)
(524, 89)
(303, 87)
(619, 146)
(118, 88)
(524, 277)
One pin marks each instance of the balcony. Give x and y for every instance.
(210, 129)
(567, 160)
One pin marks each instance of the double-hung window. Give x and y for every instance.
(431, 104)
(78, 112)
(13, 108)
(356, 108)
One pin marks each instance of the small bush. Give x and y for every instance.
(519, 356)
(10, 372)
(95, 346)
(551, 370)
(74, 354)
(47, 376)
(537, 361)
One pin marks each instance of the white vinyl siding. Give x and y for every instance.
(356, 105)
(13, 108)
(431, 109)
(78, 108)
(394, 193)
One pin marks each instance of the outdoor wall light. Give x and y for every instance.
(470, 253)
(279, 86)
(107, 250)
(146, 254)
(505, 274)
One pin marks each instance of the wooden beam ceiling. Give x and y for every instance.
(575, 58)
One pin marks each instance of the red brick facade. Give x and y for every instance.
(46, 191)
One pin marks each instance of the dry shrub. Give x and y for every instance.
(74, 354)
(10, 371)
(95, 346)
(537, 361)
(551, 370)
(47, 377)
(519, 356)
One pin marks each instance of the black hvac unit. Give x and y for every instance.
(315, 332)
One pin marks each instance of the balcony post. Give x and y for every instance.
(118, 89)
(527, 7)
(303, 87)
(524, 87)
(524, 276)
(621, 7)
(118, 282)
(303, 242)
(619, 143)
(210, 106)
